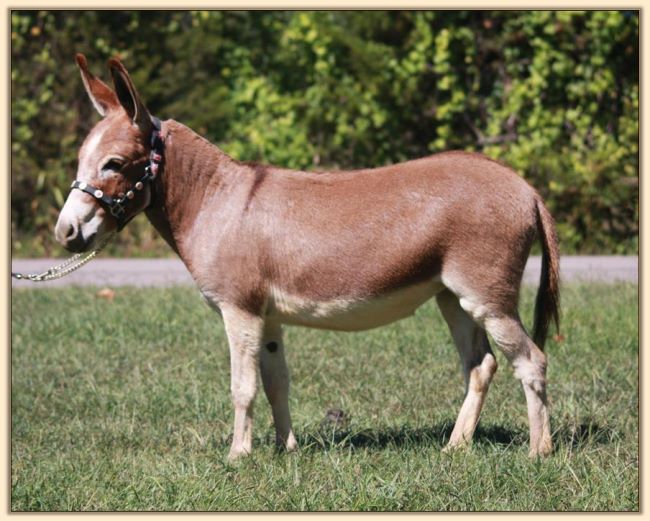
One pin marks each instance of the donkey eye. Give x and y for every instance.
(113, 165)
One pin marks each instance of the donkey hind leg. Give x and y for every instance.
(478, 363)
(275, 379)
(528, 362)
(245, 334)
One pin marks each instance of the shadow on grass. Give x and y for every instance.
(326, 437)
(589, 432)
(577, 436)
(434, 436)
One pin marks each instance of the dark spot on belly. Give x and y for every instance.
(272, 347)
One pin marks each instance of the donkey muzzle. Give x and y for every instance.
(79, 223)
(72, 238)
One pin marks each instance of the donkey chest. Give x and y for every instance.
(351, 313)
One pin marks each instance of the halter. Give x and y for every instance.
(117, 206)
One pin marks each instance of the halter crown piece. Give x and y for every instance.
(117, 206)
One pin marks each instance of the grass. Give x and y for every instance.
(124, 406)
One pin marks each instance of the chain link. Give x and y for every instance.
(65, 268)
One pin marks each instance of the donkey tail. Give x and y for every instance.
(547, 304)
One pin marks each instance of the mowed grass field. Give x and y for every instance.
(125, 406)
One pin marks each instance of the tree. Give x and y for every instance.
(552, 93)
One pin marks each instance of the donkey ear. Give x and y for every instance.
(100, 94)
(127, 96)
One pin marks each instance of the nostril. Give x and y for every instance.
(71, 232)
(71, 237)
(65, 232)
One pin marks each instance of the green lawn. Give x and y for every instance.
(125, 405)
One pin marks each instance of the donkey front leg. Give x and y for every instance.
(275, 378)
(245, 335)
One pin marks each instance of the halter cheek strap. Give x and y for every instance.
(118, 206)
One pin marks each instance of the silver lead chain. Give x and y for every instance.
(65, 268)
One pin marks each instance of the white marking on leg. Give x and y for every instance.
(529, 364)
(275, 379)
(475, 309)
(479, 379)
(479, 365)
(245, 333)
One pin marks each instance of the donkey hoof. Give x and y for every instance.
(290, 445)
(541, 451)
(282, 447)
(453, 447)
(235, 456)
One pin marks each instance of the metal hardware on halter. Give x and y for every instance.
(117, 206)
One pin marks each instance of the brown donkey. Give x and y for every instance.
(345, 250)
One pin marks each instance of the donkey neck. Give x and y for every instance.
(194, 169)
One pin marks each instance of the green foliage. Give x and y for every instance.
(133, 412)
(554, 94)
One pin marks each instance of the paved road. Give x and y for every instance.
(168, 272)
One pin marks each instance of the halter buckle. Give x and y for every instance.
(117, 210)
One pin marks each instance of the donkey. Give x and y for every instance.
(348, 250)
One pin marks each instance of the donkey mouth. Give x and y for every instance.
(80, 244)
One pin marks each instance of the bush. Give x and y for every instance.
(554, 94)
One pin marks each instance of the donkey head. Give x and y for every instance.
(112, 159)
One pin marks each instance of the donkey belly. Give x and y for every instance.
(352, 314)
